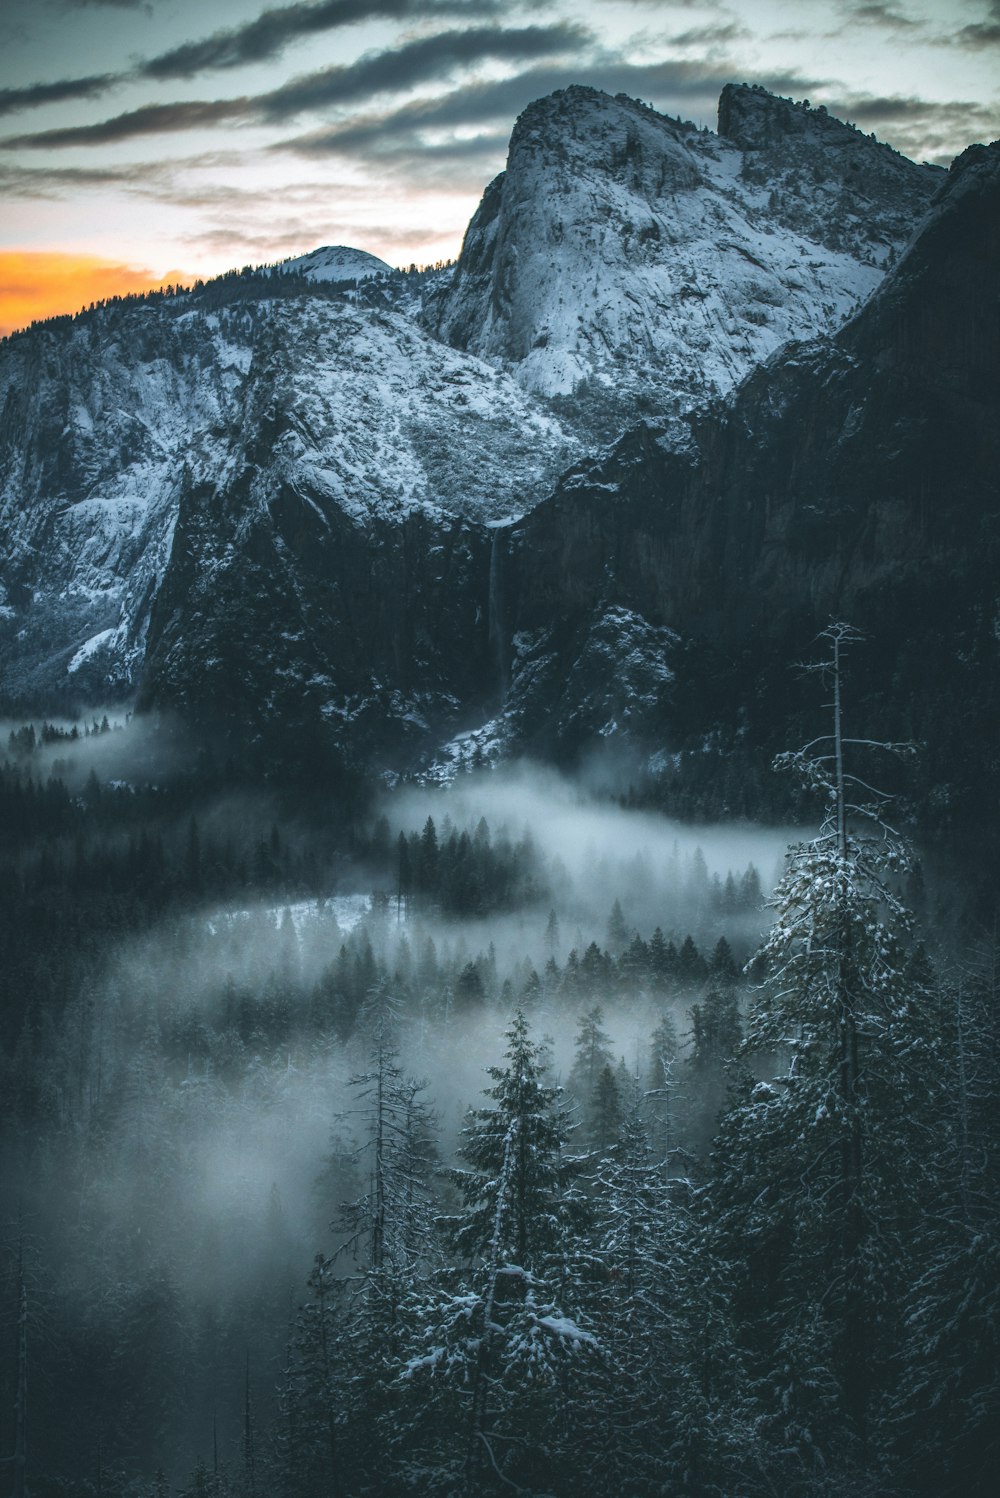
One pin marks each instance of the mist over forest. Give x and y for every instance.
(465, 1138)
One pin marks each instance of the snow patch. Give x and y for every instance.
(89, 648)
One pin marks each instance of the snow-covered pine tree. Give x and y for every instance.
(354, 1337)
(810, 1191)
(945, 1406)
(501, 1348)
(653, 1411)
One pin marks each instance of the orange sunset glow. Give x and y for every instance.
(35, 284)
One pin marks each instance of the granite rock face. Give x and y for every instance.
(630, 252)
(854, 478)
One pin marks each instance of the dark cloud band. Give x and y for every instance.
(270, 33)
(260, 40)
(982, 34)
(151, 119)
(34, 94)
(427, 60)
(400, 132)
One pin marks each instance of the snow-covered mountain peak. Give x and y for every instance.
(755, 120)
(655, 263)
(844, 188)
(593, 131)
(164, 461)
(337, 262)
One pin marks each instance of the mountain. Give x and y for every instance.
(337, 262)
(108, 421)
(294, 510)
(637, 253)
(663, 593)
(335, 571)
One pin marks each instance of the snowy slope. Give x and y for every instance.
(109, 419)
(337, 262)
(640, 254)
(101, 420)
(368, 412)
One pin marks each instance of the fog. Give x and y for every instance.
(105, 741)
(251, 1114)
(196, 1126)
(583, 829)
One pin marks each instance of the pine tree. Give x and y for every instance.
(593, 1052)
(506, 1344)
(945, 1407)
(313, 1461)
(605, 1111)
(618, 934)
(655, 1419)
(519, 1171)
(808, 1186)
(662, 1088)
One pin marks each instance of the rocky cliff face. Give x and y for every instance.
(97, 421)
(644, 256)
(855, 477)
(108, 423)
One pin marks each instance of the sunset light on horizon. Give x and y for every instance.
(38, 284)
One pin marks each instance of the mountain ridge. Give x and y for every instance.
(852, 477)
(321, 538)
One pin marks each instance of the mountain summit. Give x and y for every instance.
(639, 254)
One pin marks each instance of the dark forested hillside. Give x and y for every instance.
(493, 1135)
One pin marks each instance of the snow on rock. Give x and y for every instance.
(627, 251)
(378, 417)
(113, 420)
(469, 750)
(89, 647)
(624, 263)
(104, 420)
(337, 262)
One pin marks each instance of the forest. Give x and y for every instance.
(503, 1136)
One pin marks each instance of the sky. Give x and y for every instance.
(145, 142)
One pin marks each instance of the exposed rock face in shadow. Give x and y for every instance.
(856, 478)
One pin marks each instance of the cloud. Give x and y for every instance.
(259, 40)
(923, 130)
(36, 284)
(270, 33)
(981, 34)
(34, 94)
(299, 234)
(711, 35)
(426, 60)
(56, 182)
(404, 132)
(885, 16)
(167, 180)
(150, 119)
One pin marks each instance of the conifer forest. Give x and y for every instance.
(503, 1137)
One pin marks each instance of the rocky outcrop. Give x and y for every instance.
(658, 263)
(855, 478)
